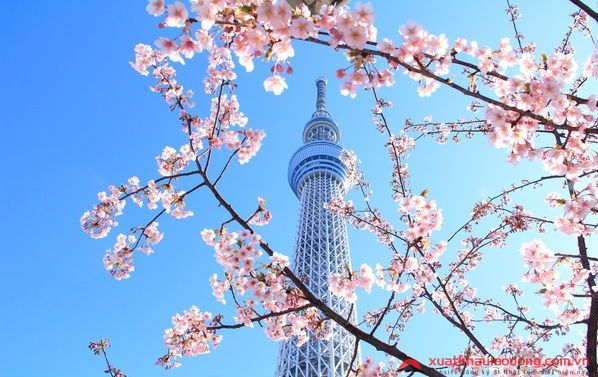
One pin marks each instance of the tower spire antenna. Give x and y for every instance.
(321, 94)
(321, 126)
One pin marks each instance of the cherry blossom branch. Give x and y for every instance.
(586, 8)
(396, 154)
(159, 214)
(522, 216)
(353, 358)
(386, 309)
(406, 306)
(515, 316)
(378, 227)
(474, 249)
(143, 228)
(461, 323)
(409, 124)
(422, 70)
(575, 256)
(514, 13)
(524, 184)
(310, 297)
(220, 90)
(168, 177)
(592, 329)
(444, 129)
(383, 314)
(450, 83)
(564, 48)
(260, 317)
(457, 323)
(99, 348)
(476, 70)
(232, 155)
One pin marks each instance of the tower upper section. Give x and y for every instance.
(321, 126)
(320, 153)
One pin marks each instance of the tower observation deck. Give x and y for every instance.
(316, 175)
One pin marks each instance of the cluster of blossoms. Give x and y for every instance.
(390, 278)
(262, 216)
(482, 209)
(254, 29)
(217, 129)
(164, 74)
(119, 260)
(152, 237)
(344, 286)
(100, 346)
(372, 369)
(145, 57)
(424, 217)
(172, 199)
(236, 252)
(189, 335)
(577, 210)
(252, 144)
(351, 162)
(224, 127)
(541, 263)
(98, 222)
(170, 162)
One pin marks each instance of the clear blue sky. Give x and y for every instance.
(75, 118)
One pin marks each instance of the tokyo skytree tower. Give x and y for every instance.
(321, 248)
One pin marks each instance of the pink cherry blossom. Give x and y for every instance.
(283, 49)
(188, 46)
(275, 84)
(536, 255)
(302, 28)
(180, 341)
(365, 13)
(169, 48)
(177, 14)
(145, 57)
(208, 236)
(155, 7)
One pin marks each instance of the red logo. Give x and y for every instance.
(410, 364)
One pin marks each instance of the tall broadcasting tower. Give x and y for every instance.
(316, 175)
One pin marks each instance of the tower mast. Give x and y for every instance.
(316, 175)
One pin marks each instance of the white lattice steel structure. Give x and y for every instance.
(321, 248)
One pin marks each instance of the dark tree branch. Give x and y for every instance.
(586, 8)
